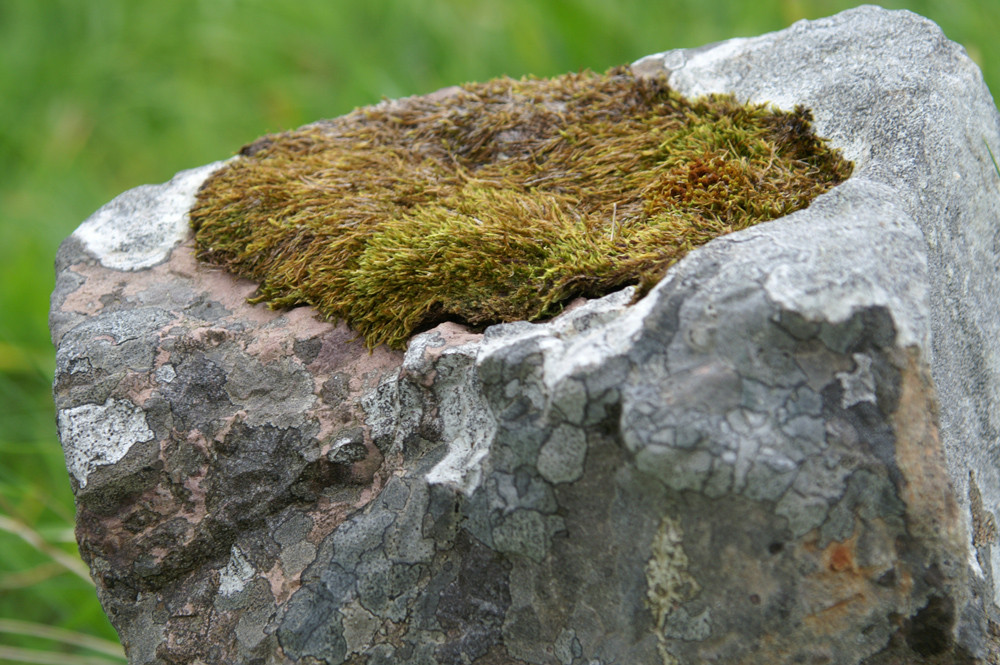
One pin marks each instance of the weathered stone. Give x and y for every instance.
(786, 453)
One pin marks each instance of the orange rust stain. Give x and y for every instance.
(841, 558)
(904, 582)
(830, 619)
(932, 512)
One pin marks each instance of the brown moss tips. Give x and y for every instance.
(503, 200)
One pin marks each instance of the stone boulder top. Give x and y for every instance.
(786, 452)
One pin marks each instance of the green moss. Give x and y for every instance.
(503, 200)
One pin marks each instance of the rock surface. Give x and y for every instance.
(786, 453)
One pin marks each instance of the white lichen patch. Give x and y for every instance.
(165, 374)
(237, 573)
(461, 467)
(140, 227)
(859, 385)
(96, 435)
(668, 583)
(466, 421)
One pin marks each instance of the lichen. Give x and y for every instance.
(668, 582)
(503, 200)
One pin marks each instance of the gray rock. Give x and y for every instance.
(786, 453)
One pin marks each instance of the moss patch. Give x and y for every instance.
(503, 200)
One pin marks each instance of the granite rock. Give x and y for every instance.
(786, 453)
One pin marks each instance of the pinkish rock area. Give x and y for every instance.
(786, 453)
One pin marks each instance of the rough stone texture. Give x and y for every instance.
(786, 453)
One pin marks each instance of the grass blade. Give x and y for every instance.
(24, 579)
(992, 158)
(30, 536)
(36, 657)
(70, 637)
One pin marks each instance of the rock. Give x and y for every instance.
(785, 453)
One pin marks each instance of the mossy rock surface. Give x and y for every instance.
(503, 200)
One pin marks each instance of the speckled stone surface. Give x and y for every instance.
(786, 453)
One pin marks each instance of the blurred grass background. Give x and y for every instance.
(99, 96)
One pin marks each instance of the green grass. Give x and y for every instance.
(99, 96)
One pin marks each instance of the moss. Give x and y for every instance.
(503, 200)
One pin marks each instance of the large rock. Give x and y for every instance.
(786, 453)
